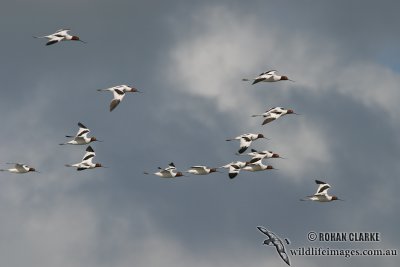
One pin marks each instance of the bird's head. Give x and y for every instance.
(213, 170)
(178, 174)
(32, 169)
(274, 155)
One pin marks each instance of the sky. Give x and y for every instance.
(188, 57)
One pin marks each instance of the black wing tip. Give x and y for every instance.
(80, 124)
(319, 182)
(232, 175)
(89, 149)
(243, 149)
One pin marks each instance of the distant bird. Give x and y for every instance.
(322, 193)
(169, 172)
(19, 168)
(119, 94)
(245, 140)
(81, 137)
(274, 240)
(60, 35)
(201, 170)
(87, 161)
(257, 166)
(274, 113)
(234, 168)
(257, 155)
(268, 76)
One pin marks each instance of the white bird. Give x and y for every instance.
(257, 166)
(268, 76)
(274, 113)
(169, 172)
(259, 155)
(119, 94)
(81, 137)
(245, 140)
(87, 161)
(19, 168)
(322, 193)
(60, 35)
(201, 170)
(234, 168)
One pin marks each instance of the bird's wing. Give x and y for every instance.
(245, 142)
(198, 167)
(264, 231)
(55, 39)
(268, 119)
(270, 72)
(233, 171)
(322, 188)
(118, 96)
(20, 167)
(170, 167)
(89, 155)
(62, 32)
(255, 160)
(258, 79)
(83, 130)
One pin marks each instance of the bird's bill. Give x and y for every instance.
(245, 79)
(291, 80)
(82, 41)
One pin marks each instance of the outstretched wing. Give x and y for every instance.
(118, 96)
(83, 130)
(245, 142)
(322, 188)
(89, 155)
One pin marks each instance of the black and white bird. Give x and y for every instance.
(234, 168)
(268, 76)
(274, 113)
(257, 155)
(81, 137)
(322, 193)
(245, 140)
(87, 161)
(274, 240)
(201, 170)
(256, 166)
(60, 35)
(119, 94)
(19, 168)
(169, 172)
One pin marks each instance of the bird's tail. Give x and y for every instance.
(68, 165)
(257, 115)
(3, 170)
(39, 36)
(245, 79)
(146, 173)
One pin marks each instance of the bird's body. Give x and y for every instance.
(246, 140)
(268, 76)
(169, 172)
(261, 155)
(119, 94)
(201, 170)
(274, 113)
(19, 168)
(58, 36)
(87, 161)
(322, 193)
(81, 137)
